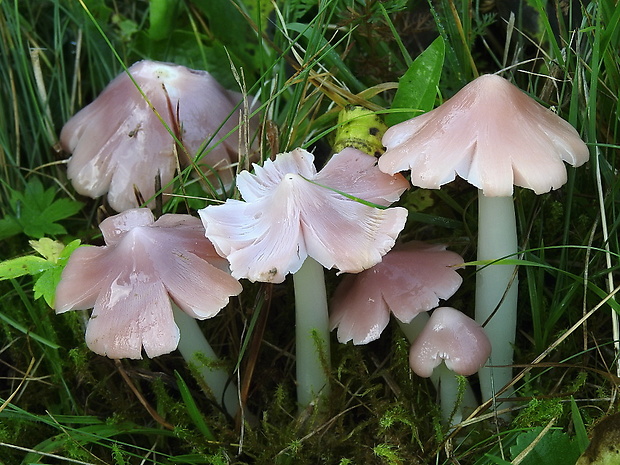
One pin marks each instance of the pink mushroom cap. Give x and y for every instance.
(491, 134)
(131, 280)
(291, 212)
(452, 337)
(410, 279)
(118, 142)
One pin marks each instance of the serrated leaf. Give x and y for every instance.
(61, 208)
(36, 212)
(67, 251)
(48, 248)
(417, 88)
(22, 266)
(46, 284)
(39, 229)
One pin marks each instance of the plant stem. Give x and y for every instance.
(204, 362)
(312, 333)
(497, 288)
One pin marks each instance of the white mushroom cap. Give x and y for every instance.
(410, 279)
(291, 212)
(130, 281)
(118, 141)
(451, 337)
(491, 134)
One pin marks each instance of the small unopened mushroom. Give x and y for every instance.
(451, 337)
(449, 343)
(293, 220)
(125, 138)
(146, 268)
(494, 136)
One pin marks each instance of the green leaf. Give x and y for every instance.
(36, 212)
(9, 226)
(162, 17)
(604, 449)
(48, 248)
(231, 28)
(46, 284)
(21, 266)
(192, 408)
(49, 267)
(417, 88)
(554, 448)
(580, 429)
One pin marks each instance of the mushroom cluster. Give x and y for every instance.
(493, 135)
(409, 282)
(154, 278)
(296, 220)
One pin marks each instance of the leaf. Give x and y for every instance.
(48, 248)
(580, 429)
(9, 226)
(162, 18)
(417, 88)
(46, 284)
(49, 267)
(554, 448)
(604, 449)
(231, 28)
(192, 408)
(36, 212)
(21, 266)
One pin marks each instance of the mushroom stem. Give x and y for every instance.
(312, 333)
(204, 362)
(496, 289)
(444, 380)
(456, 400)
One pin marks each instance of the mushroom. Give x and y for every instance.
(295, 220)
(146, 268)
(451, 337)
(126, 136)
(409, 281)
(493, 135)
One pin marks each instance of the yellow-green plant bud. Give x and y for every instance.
(360, 128)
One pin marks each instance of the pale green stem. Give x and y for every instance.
(444, 380)
(202, 359)
(497, 238)
(312, 333)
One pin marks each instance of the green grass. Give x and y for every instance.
(60, 403)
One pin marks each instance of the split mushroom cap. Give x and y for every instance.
(118, 141)
(410, 279)
(129, 282)
(491, 134)
(452, 337)
(291, 212)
